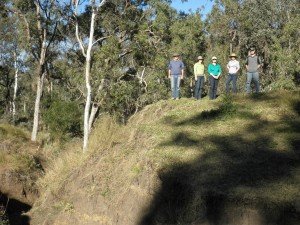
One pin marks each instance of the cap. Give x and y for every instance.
(200, 57)
(176, 54)
(252, 49)
(214, 57)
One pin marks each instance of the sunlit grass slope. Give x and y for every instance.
(183, 162)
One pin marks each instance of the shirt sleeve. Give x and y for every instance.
(209, 69)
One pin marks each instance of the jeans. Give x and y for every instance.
(199, 87)
(255, 77)
(175, 83)
(213, 87)
(231, 77)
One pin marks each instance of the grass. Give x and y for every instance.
(197, 155)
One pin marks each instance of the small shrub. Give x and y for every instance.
(228, 108)
(282, 84)
(63, 119)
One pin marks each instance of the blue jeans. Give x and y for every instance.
(231, 77)
(175, 83)
(255, 77)
(199, 86)
(213, 87)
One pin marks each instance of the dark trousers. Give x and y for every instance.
(233, 78)
(213, 87)
(199, 87)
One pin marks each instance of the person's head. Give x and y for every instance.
(252, 51)
(214, 59)
(200, 59)
(176, 56)
(233, 56)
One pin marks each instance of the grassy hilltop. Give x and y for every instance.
(230, 161)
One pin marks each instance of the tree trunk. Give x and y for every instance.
(15, 87)
(95, 108)
(40, 73)
(39, 91)
(88, 84)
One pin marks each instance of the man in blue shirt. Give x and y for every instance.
(175, 73)
(253, 63)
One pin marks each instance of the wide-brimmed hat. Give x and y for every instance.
(199, 57)
(175, 54)
(214, 57)
(233, 55)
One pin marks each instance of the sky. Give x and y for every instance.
(193, 5)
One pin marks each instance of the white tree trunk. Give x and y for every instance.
(94, 111)
(40, 73)
(15, 87)
(39, 91)
(88, 84)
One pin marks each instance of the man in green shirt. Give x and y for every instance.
(199, 77)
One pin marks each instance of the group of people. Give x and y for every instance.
(214, 71)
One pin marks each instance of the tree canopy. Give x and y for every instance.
(133, 41)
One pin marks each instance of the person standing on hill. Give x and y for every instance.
(199, 77)
(214, 71)
(253, 63)
(175, 74)
(233, 67)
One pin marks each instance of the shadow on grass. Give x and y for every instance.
(241, 176)
(14, 210)
(297, 107)
(261, 96)
(181, 139)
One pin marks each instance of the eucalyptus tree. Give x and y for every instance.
(272, 26)
(39, 20)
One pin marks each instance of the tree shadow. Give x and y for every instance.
(296, 106)
(242, 173)
(15, 210)
(181, 139)
(261, 97)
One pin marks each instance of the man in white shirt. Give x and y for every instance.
(233, 67)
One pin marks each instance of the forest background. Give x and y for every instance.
(58, 77)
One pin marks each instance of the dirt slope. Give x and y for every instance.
(231, 161)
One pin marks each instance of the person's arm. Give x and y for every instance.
(209, 70)
(169, 70)
(195, 71)
(219, 72)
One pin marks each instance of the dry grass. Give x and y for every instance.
(242, 149)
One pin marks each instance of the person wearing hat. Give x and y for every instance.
(233, 67)
(214, 71)
(199, 77)
(253, 63)
(175, 73)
